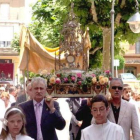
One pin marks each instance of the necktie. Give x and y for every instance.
(38, 121)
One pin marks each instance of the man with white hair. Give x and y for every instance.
(122, 112)
(26, 96)
(42, 114)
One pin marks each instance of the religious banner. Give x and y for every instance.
(6, 71)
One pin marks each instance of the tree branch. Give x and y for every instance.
(123, 3)
(119, 16)
(96, 49)
(93, 11)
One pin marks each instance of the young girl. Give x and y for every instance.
(14, 125)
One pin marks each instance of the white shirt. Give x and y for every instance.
(12, 99)
(2, 108)
(66, 113)
(19, 137)
(106, 131)
(2, 112)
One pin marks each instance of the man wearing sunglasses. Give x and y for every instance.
(122, 112)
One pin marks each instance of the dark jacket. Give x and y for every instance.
(83, 114)
(49, 121)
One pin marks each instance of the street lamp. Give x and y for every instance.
(134, 23)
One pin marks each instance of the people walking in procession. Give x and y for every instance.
(42, 115)
(102, 128)
(122, 112)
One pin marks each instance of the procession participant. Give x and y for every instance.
(84, 114)
(42, 115)
(127, 92)
(13, 125)
(122, 112)
(2, 89)
(2, 108)
(101, 128)
(6, 98)
(26, 96)
(13, 94)
(74, 105)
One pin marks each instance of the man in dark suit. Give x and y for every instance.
(24, 97)
(50, 116)
(27, 93)
(84, 114)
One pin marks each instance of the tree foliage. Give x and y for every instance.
(121, 61)
(15, 43)
(49, 16)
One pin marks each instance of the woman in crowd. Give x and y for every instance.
(13, 125)
(6, 98)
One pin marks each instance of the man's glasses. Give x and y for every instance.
(117, 87)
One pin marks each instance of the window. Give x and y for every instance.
(5, 60)
(137, 47)
(6, 35)
(5, 43)
(4, 11)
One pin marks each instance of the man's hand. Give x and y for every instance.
(79, 123)
(50, 103)
(89, 101)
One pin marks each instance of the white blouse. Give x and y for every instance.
(19, 137)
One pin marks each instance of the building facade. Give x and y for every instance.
(132, 59)
(13, 14)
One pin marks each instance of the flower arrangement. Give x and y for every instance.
(81, 78)
(88, 83)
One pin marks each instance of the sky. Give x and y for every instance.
(28, 11)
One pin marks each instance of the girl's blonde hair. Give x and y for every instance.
(5, 94)
(12, 111)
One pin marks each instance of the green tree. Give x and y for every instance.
(101, 23)
(49, 17)
(121, 61)
(15, 43)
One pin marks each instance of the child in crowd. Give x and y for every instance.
(6, 98)
(13, 125)
(101, 128)
(127, 91)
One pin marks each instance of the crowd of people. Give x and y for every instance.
(31, 115)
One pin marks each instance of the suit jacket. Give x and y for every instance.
(49, 121)
(21, 98)
(74, 104)
(83, 114)
(128, 119)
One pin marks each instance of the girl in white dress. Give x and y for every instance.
(13, 125)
